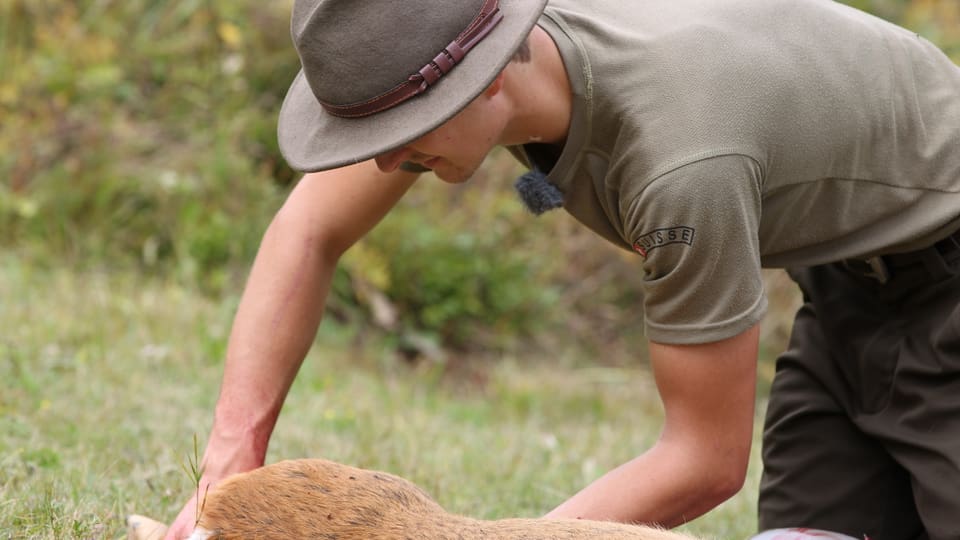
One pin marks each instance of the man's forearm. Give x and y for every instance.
(659, 487)
(276, 322)
(282, 304)
(272, 332)
(701, 457)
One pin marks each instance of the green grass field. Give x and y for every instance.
(105, 379)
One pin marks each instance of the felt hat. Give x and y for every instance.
(377, 74)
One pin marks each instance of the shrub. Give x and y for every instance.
(142, 132)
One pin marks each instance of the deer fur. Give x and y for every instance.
(315, 498)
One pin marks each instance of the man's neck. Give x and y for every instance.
(540, 93)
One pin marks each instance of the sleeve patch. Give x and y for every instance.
(662, 237)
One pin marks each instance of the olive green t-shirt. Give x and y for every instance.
(713, 138)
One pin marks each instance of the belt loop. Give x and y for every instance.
(880, 272)
(873, 268)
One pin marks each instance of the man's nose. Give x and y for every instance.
(391, 160)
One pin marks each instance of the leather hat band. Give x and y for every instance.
(429, 74)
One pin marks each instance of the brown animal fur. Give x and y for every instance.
(314, 498)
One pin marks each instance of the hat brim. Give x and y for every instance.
(313, 140)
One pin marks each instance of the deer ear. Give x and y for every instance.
(144, 528)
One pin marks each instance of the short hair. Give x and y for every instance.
(522, 54)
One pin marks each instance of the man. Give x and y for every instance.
(711, 138)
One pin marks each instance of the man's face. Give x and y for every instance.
(455, 149)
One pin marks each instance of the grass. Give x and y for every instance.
(105, 379)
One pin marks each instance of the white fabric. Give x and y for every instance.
(801, 534)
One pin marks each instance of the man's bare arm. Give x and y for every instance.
(701, 457)
(281, 308)
(283, 302)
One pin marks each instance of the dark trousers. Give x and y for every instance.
(862, 433)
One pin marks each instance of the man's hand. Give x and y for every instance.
(225, 455)
(183, 525)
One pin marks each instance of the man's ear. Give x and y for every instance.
(495, 86)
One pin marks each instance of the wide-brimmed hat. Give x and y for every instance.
(377, 74)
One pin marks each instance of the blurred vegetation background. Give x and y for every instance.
(140, 136)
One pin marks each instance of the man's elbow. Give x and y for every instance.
(725, 480)
(726, 486)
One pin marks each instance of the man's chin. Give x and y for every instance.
(452, 177)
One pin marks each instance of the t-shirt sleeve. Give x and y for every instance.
(696, 228)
